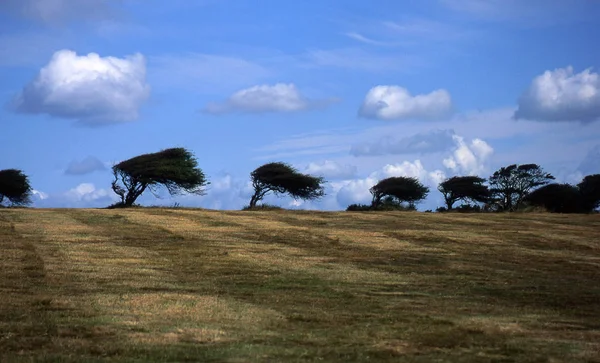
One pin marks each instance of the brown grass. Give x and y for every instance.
(172, 285)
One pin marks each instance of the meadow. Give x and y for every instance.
(184, 285)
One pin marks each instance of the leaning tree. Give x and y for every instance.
(510, 184)
(15, 187)
(176, 169)
(464, 188)
(402, 189)
(282, 178)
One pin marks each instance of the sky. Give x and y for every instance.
(351, 90)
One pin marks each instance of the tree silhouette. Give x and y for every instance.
(589, 188)
(510, 184)
(14, 186)
(465, 188)
(403, 189)
(557, 198)
(281, 178)
(175, 169)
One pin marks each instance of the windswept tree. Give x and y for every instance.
(464, 188)
(15, 187)
(281, 178)
(402, 189)
(589, 188)
(510, 184)
(175, 169)
(556, 198)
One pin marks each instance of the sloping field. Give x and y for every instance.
(160, 285)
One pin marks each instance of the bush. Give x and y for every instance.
(468, 208)
(441, 210)
(122, 205)
(262, 207)
(358, 208)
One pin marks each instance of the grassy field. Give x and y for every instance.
(177, 285)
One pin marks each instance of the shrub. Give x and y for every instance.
(262, 207)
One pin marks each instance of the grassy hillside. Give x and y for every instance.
(178, 285)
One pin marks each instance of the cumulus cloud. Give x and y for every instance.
(54, 12)
(423, 143)
(396, 103)
(39, 195)
(265, 98)
(85, 166)
(470, 159)
(82, 196)
(562, 95)
(331, 170)
(91, 89)
(87, 192)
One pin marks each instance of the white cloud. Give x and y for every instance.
(469, 159)
(39, 194)
(331, 170)
(396, 103)
(87, 192)
(265, 98)
(85, 166)
(92, 89)
(561, 95)
(425, 142)
(54, 12)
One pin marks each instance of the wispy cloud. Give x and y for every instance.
(359, 60)
(209, 73)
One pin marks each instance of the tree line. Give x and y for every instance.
(176, 169)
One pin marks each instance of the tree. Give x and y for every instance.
(590, 192)
(464, 188)
(556, 198)
(14, 186)
(281, 178)
(175, 169)
(510, 184)
(403, 189)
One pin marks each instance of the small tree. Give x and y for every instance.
(463, 188)
(14, 186)
(589, 188)
(281, 178)
(556, 198)
(175, 169)
(403, 189)
(510, 184)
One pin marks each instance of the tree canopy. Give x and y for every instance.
(590, 192)
(463, 188)
(176, 169)
(14, 186)
(510, 184)
(281, 178)
(404, 189)
(556, 198)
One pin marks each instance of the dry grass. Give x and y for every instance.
(173, 285)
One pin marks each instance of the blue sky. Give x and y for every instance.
(351, 90)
